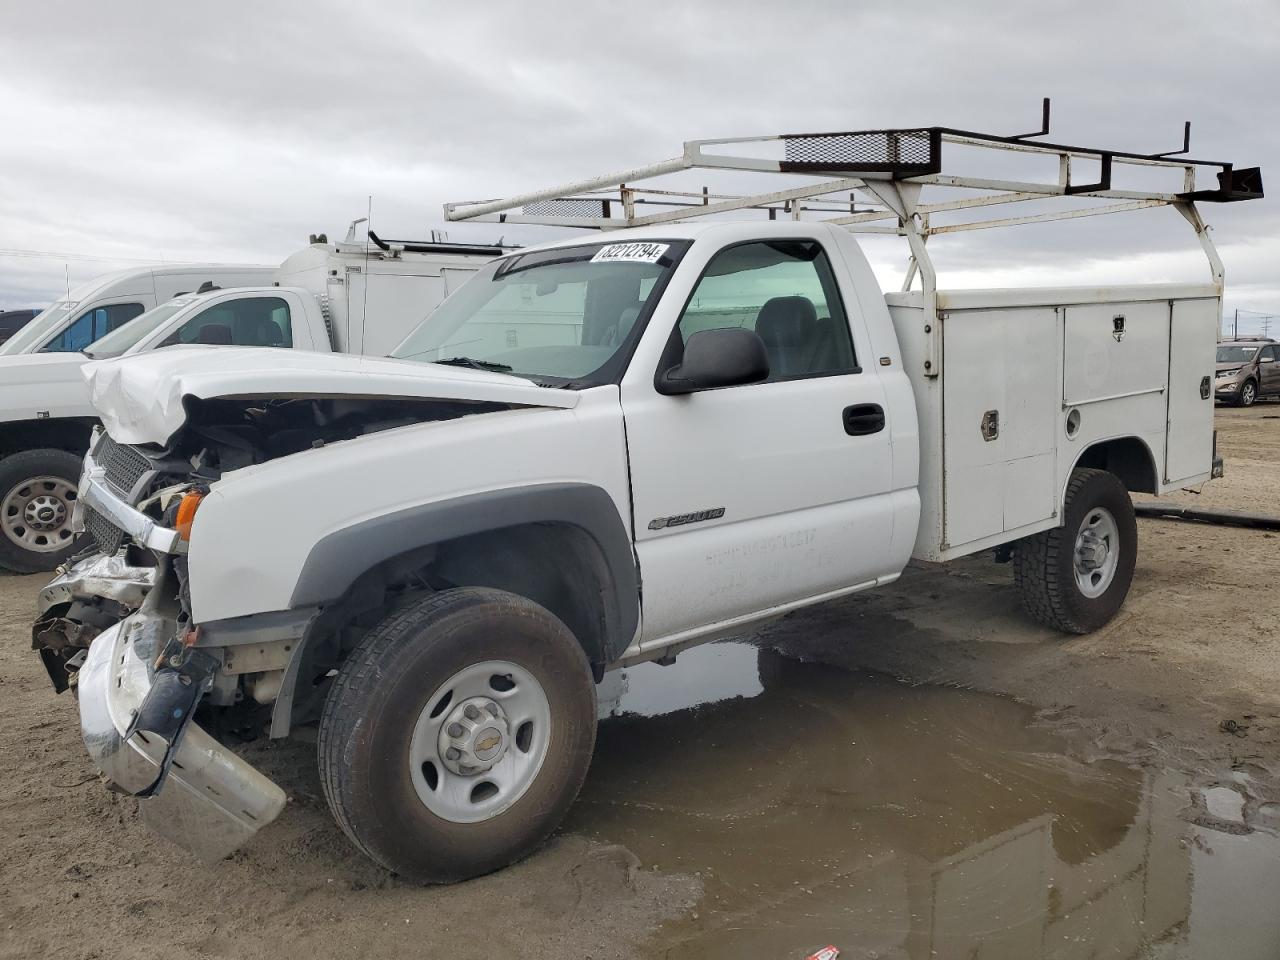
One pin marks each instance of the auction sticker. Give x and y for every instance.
(630, 253)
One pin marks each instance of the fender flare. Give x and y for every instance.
(341, 557)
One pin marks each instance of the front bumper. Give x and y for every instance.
(195, 792)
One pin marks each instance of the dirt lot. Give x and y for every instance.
(742, 829)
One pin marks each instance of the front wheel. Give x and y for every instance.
(1075, 577)
(1247, 395)
(37, 496)
(457, 734)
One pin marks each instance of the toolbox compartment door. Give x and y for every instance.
(1193, 335)
(1003, 365)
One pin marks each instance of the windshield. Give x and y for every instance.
(1236, 354)
(122, 339)
(42, 326)
(563, 314)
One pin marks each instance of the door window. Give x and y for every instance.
(92, 325)
(784, 290)
(1268, 354)
(249, 322)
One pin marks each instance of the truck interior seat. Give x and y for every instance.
(217, 334)
(618, 332)
(789, 328)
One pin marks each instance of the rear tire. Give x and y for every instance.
(392, 716)
(1075, 578)
(37, 495)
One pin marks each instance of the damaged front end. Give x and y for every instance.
(138, 688)
(116, 624)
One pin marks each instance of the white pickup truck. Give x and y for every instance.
(644, 441)
(316, 300)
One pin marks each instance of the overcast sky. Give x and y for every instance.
(138, 132)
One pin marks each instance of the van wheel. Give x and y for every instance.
(1074, 578)
(457, 734)
(37, 495)
(1247, 395)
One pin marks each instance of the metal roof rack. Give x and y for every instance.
(874, 182)
(860, 160)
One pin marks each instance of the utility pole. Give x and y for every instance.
(1235, 326)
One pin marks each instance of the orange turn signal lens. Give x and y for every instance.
(187, 512)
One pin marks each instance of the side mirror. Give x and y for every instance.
(724, 357)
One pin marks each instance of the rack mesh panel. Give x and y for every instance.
(891, 151)
(566, 208)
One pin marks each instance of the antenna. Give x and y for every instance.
(1044, 124)
(364, 309)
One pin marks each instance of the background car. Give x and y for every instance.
(1247, 369)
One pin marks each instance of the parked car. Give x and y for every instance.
(45, 411)
(107, 302)
(11, 321)
(1248, 369)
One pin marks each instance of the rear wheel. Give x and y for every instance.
(37, 496)
(1075, 577)
(1248, 394)
(457, 734)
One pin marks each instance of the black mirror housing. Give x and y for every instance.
(724, 357)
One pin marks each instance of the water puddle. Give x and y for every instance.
(821, 806)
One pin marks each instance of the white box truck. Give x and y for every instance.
(731, 414)
(354, 296)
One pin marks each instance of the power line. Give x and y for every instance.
(51, 255)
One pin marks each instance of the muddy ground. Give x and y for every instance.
(846, 776)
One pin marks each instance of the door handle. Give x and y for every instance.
(863, 418)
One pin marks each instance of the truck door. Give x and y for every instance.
(1269, 372)
(759, 495)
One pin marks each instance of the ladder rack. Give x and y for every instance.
(858, 165)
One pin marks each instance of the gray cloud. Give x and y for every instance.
(154, 130)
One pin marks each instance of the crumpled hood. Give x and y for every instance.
(139, 398)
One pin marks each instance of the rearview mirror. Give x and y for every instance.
(724, 357)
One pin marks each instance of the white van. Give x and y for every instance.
(98, 306)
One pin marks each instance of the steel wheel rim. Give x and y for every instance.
(36, 514)
(451, 787)
(1096, 556)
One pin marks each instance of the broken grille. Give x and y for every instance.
(905, 152)
(106, 534)
(124, 466)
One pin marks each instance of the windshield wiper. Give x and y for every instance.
(474, 364)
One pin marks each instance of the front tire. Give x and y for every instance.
(457, 734)
(37, 496)
(1248, 394)
(1074, 578)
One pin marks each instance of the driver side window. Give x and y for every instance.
(250, 322)
(784, 290)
